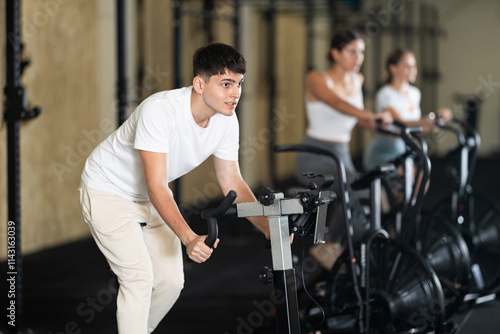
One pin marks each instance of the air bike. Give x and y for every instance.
(476, 217)
(302, 214)
(379, 284)
(439, 243)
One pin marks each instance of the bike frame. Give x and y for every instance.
(277, 211)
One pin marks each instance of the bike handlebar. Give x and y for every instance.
(211, 216)
(464, 133)
(457, 132)
(405, 132)
(402, 127)
(469, 140)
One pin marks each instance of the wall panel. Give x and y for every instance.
(60, 39)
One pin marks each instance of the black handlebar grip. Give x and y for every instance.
(395, 122)
(403, 128)
(213, 232)
(222, 208)
(399, 124)
(211, 216)
(406, 128)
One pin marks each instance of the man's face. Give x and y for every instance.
(222, 92)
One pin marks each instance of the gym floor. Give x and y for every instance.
(69, 289)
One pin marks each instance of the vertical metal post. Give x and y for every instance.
(435, 57)
(397, 25)
(237, 45)
(280, 242)
(285, 286)
(177, 5)
(14, 97)
(208, 9)
(237, 23)
(332, 11)
(375, 189)
(286, 300)
(429, 21)
(377, 63)
(409, 181)
(310, 34)
(271, 55)
(410, 24)
(121, 61)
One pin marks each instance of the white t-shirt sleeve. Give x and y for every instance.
(383, 99)
(228, 149)
(154, 126)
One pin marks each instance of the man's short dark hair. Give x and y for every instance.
(217, 58)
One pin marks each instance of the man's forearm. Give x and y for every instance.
(168, 210)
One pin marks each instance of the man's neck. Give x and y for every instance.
(199, 110)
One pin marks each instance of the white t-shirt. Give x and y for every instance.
(161, 123)
(407, 105)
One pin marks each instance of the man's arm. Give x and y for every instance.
(156, 174)
(229, 177)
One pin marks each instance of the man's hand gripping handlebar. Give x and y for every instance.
(224, 209)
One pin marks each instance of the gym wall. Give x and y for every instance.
(61, 40)
(469, 54)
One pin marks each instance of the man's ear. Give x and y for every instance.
(198, 84)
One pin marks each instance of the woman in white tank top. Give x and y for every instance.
(334, 100)
(334, 105)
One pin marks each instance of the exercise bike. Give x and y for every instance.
(377, 285)
(439, 242)
(302, 214)
(475, 217)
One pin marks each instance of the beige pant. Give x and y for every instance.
(147, 260)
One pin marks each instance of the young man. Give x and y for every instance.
(125, 184)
